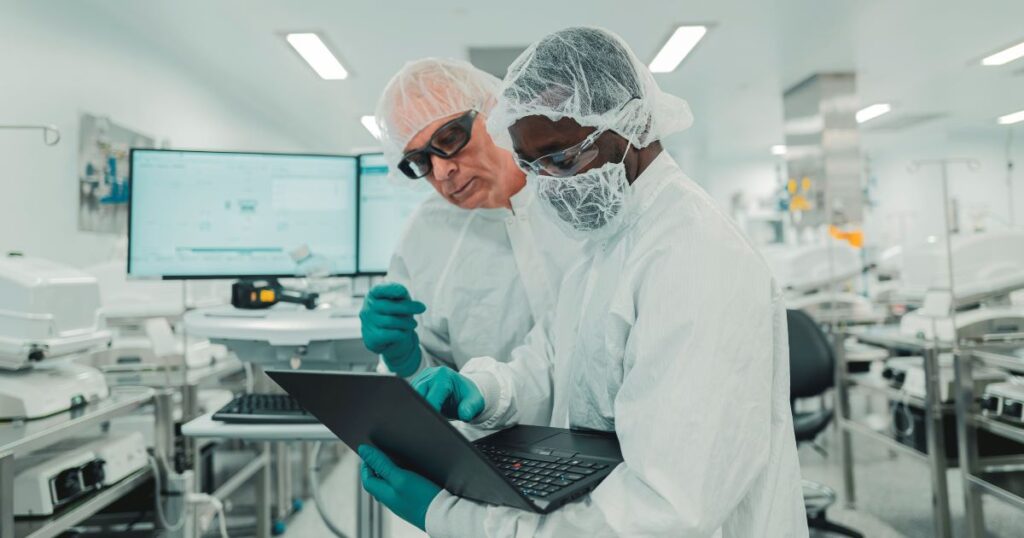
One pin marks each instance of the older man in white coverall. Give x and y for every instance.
(672, 333)
(478, 264)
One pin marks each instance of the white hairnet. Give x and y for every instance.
(423, 92)
(591, 76)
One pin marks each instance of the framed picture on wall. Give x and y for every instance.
(103, 153)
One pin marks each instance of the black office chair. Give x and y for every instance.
(811, 371)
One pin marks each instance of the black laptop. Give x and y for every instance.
(528, 467)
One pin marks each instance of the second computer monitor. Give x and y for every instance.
(384, 207)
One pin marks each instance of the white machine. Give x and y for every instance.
(1005, 401)
(966, 324)
(48, 312)
(140, 314)
(907, 373)
(984, 264)
(987, 269)
(41, 392)
(807, 268)
(53, 477)
(286, 335)
(806, 273)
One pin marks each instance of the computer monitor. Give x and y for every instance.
(384, 208)
(195, 214)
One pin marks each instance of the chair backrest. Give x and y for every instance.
(811, 361)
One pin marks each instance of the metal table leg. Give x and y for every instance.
(842, 406)
(369, 514)
(937, 460)
(263, 497)
(967, 437)
(7, 495)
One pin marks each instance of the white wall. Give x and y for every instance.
(57, 62)
(908, 206)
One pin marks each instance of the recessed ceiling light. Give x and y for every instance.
(370, 122)
(683, 40)
(317, 55)
(871, 112)
(779, 149)
(1010, 119)
(1005, 56)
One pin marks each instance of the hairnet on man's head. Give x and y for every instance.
(589, 75)
(424, 91)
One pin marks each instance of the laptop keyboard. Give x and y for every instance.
(538, 475)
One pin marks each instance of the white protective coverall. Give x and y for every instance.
(483, 274)
(673, 334)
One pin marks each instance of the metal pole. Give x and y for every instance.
(263, 497)
(937, 460)
(842, 396)
(370, 517)
(7, 496)
(967, 437)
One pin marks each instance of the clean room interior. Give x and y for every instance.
(867, 151)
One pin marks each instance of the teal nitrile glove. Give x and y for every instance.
(389, 328)
(405, 493)
(453, 394)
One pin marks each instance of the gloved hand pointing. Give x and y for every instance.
(453, 394)
(389, 328)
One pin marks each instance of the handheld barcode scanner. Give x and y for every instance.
(264, 293)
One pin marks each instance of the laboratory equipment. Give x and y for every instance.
(808, 273)
(966, 324)
(52, 477)
(141, 316)
(48, 312)
(809, 268)
(264, 409)
(384, 208)
(1004, 401)
(255, 294)
(533, 468)
(987, 269)
(196, 214)
(41, 392)
(907, 374)
(984, 265)
(285, 335)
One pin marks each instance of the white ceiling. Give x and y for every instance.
(920, 55)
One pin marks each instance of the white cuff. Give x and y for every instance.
(497, 395)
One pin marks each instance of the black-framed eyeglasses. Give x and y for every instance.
(446, 142)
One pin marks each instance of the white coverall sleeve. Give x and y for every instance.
(693, 412)
(520, 390)
(434, 342)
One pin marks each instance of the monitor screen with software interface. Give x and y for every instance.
(196, 214)
(384, 207)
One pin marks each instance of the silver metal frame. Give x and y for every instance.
(936, 458)
(87, 418)
(969, 420)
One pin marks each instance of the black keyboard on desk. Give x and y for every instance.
(539, 475)
(264, 409)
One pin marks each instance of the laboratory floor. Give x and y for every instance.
(894, 493)
(893, 497)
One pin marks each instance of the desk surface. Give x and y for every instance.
(205, 426)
